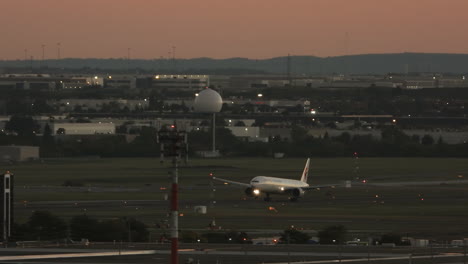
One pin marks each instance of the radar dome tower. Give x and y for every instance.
(209, 101)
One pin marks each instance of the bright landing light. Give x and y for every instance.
(256, 191)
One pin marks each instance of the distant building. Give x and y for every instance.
(27, 82)
(82, 128)
(19, 153)
(45, 82)
(180, 82)
(280, 133)
(100, 104)
(120, 82)
(247, 133)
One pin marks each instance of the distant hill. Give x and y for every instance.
(353, 64)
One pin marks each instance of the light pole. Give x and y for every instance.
(129, 232)
(43, 56)
(214, 133)
(58, 50)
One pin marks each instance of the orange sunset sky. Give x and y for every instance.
(254, 29)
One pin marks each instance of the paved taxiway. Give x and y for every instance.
(280, 254)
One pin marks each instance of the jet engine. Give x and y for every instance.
(298, 192)
(251, 192)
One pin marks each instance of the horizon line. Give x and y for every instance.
(230, 58)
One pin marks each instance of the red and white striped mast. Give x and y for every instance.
(175, 213)
(174, 143)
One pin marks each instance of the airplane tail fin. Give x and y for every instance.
(305, 173)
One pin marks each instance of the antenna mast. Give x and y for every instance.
(288, 69)
(173, 143)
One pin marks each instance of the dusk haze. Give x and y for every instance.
(224, 29)
(234, 131)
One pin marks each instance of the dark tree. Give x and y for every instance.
(138, 230)
(121, 129)
(40, 105)
(335, 234)
(344, 138)
(43, 225)
(110, 230)
(60, 131)
(239, 123)
(22, 125)
(82, 226)
(298, 134)
(47, 146)
(391, 238)
(415, 138)
(440, 141)
(234, 237)
(47, 135)
(294, 236)
(427, 140)
(189, 236)
(393, 135)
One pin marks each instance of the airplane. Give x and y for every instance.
(274, 185)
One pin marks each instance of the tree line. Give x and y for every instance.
(23, 130)
(47, 227)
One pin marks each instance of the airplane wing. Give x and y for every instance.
(346, 184)
(232, 182)
(319, 187)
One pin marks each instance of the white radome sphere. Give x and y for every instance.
(208, 101)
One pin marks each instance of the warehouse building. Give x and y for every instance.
(19, 153)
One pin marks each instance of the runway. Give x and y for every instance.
(276, 255)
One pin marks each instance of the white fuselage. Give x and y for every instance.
(275, 185)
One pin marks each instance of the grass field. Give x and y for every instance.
(439, 210)
(134, 172)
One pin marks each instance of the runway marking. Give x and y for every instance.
(370, 259)
(214, 252)
(79, 255)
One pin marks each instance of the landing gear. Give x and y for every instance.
(293, 199)
(267, 198)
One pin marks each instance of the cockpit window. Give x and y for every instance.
(255, 181)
